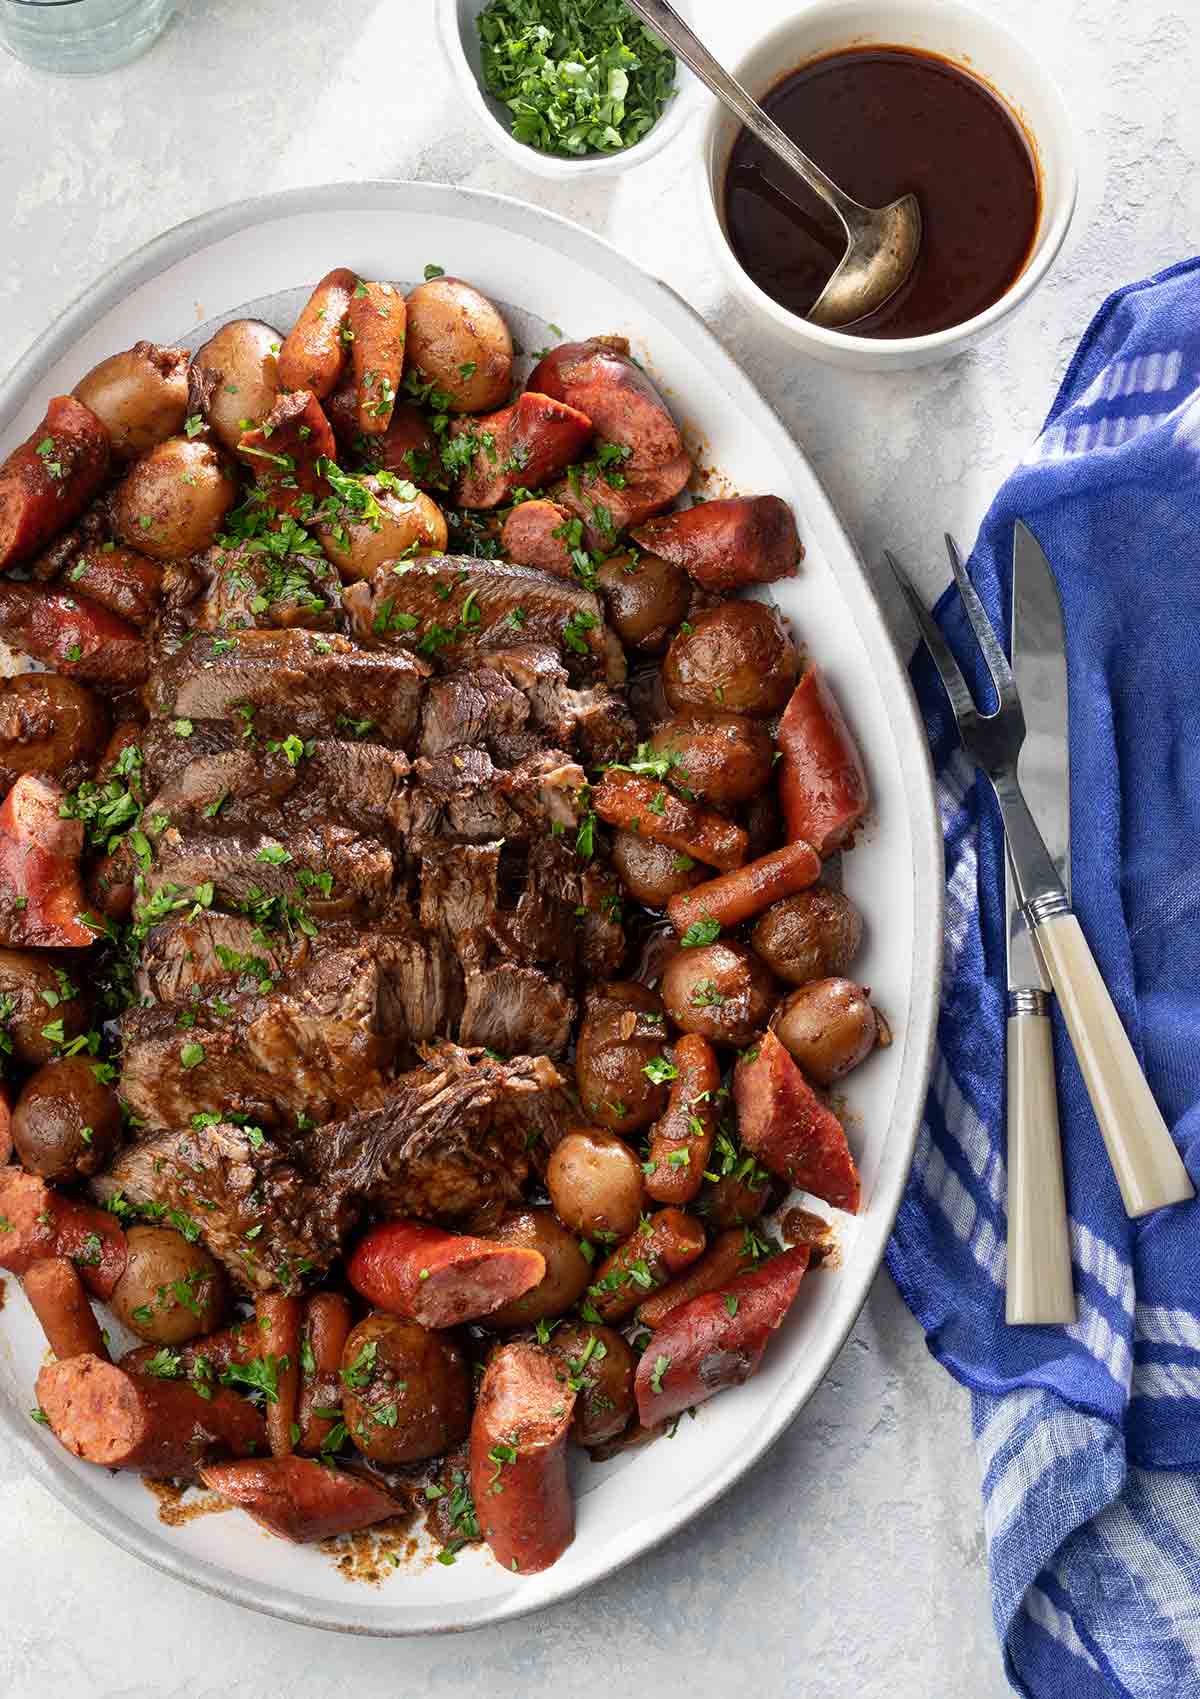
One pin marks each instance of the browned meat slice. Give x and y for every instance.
(166, 751)
(358, 784)
(547, 789)
(595, 716)
(183, 954)
(272, 1225)
(326, 869)
(601, 935)
(516, 1009)
(534, 534)
(605, 727)
(452, 1141)
(459, 794)
(316, 1044)
(477, 707)
(243, 588)
(610, 503)
(279, 683)
(462, 605)
(460, 895)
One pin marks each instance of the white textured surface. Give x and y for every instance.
(851, 1562)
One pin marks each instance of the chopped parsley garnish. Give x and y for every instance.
(659, 1070)
(578, 79)
(705, 931)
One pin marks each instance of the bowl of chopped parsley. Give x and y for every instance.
(567, 87)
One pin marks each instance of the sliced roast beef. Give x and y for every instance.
(315, 1045)
(452, 1140)
(325, 869)
(271, 1225)
(276, 683)
(459, 794)
(477, 707)
(463, 606)
(516, 1009)
(184, 955)
(460, 895)
(169, 746)
(358, 784)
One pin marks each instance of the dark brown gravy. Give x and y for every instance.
(883, 122)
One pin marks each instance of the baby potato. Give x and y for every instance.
(360, 546)
(721, 991)
(457, 340)
(406, 1390)
(567, 1269)
(737, 659)
(646, 598)
(601, 1364)
(653, 872)
(722, 758)
(141, 396)
(622, 1034)
(66, 1125)
(814, 934)
(171, 1290)
(172, 502)
(241, 363)
(595, 1184)
(829, 1027)
(32, 986)
(49, 724)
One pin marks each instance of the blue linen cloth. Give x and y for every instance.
(1089, 1436)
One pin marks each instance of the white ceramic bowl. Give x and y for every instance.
(460, 40)
(985, 50)
(262, 257)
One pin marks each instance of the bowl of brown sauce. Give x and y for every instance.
(923, 97)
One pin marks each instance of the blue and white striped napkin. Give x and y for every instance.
(1089, 1436)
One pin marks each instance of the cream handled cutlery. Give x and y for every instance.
(1039, 1287)
(1148, 1168)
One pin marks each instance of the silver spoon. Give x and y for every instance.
(882, 242)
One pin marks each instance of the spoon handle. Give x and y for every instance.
(665, 21)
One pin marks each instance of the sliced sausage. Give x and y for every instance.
(41, 896)
(663, 1246)
(682, 1141)
(315, 349)
(522, 446)
(72, 634)
(326, 1326)
(822, 781)
(519, 1458)
(299, 1499)
(375, 319)
(37, 1222)
(534, 534)
(608, 502)
(748, 890)
(599, 378)
(637, 804)
(158, 1427)
(437, 1278)
(727, 544)
(783, 1123)
(279, 1321)
(284, 452)
(47, 482)
(60, 1303)
(716, 1340)
(731, 1253)
(128, 584)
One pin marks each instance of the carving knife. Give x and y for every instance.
(1039, 1287)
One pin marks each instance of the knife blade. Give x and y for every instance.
(1039, 1284)
(1039, 663)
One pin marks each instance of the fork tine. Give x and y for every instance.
(955, 684)
(993, 649)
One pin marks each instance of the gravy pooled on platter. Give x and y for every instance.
(883, 122)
